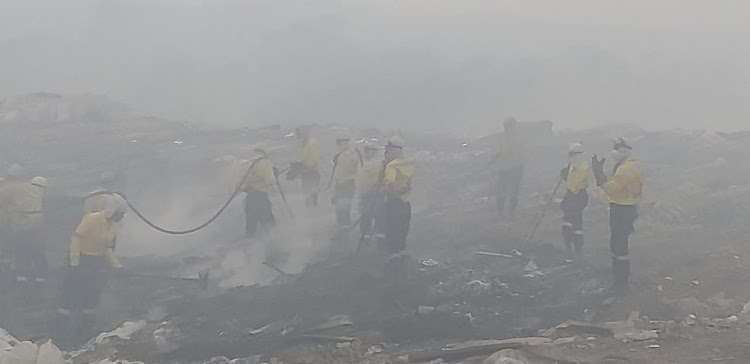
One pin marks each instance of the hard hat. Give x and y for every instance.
(395, 142)
(510, 121)
(118, 205)
(621, 143)
(575, 148)
(107, 177)
(16, 171)
(39, 182)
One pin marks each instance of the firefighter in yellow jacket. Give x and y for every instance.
(91, 256)
(21, 207)
(576, 177)
(306, 166)
(368, 179)
(624, 191)
(395, 218)
(345, 166)
(256, 177)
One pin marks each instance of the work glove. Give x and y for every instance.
(564, 173)
(597, 166)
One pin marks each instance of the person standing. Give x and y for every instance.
(510, 158)
(624, 191)
(256, 177)
(368, 179)
(345, 166)
(576, 177)
(307, 166)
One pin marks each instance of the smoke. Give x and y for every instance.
(452, 66)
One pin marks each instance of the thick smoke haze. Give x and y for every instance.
(443, 65)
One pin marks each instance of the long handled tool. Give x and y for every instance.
(544, 211)
(202, 277)
(283, 197)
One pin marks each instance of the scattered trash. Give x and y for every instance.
(429, 263)
(654, 346)
(695, 283)
(178, 142)
(425, 310)
(531, 267)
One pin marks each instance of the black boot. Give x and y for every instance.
(621, 271)
(578, 243)
(87, 326)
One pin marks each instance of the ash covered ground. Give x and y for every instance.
(687, 302)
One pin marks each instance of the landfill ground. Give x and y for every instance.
(690, 257)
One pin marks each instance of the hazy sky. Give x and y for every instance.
(412, 63)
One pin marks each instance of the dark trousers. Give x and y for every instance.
(572, 207)
(343, 194)
(258, 212)
(26, 252)
(508, 188)
(310, 186)
(81, 293)
(621, 220)
(368, 203)
(392, 224)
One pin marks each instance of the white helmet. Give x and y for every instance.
(575, 148)
(39, 182)
(395, 142)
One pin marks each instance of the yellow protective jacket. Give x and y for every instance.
(398, 177)
(21, 206)
(368, 176)
(347, 163)
(510, 151)
(94, 236)
(626, 185)
(578, 177)
(309, 154)
(97, 201)
(261, 176)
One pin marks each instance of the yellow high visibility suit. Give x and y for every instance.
(368, 174)
(21, 206)
(347, 164)
(398, 178)
(626, 185)
(94, 236)
(260, 177)
(578, 177)
(309, 154)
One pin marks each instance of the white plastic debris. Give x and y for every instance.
(430, 263)
(123, 332)
(7, 337)
(178, 142)
(425, 310)
(50, 354)
(668, 278)
(531, 267)
(654, 346)
(695, 282)
(134, 141)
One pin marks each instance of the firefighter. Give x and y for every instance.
(576, 177)
(395, 217)
(91, 258)
(368, 180)
(256, 177)
(345, 166)
(306, 166)
(624, 190)
(510, 158)
(21, 207)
